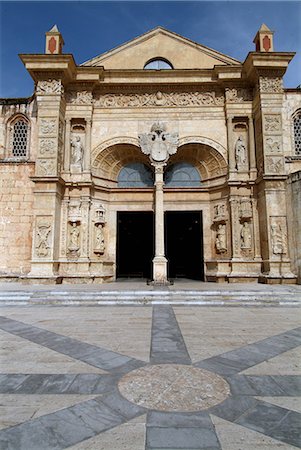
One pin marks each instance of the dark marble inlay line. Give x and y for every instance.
(167, 344)
(84, 383)
(90, 354)
(235, 361)
(278, 423)
(184, 431)
(265, 385)
(70, 426)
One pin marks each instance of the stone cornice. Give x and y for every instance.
(46, 66)
(276, 61)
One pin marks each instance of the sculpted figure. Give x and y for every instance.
(77, 151)
(221, 240)
(74, 237)
(245, 236)
(99, 239)
(43, 245)
(278, 236)
(240, 152)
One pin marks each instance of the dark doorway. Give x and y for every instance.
(135, 244)
(184, 244)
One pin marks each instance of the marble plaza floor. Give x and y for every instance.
(150, 377)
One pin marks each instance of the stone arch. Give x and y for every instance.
(109, 161)
(209, 161)
(111, 142)
(206, 141)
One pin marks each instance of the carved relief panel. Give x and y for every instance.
(278, 235)
(98, 228)
(43, 237)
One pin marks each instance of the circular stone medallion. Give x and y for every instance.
(173, 387)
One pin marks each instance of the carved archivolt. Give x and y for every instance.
(207, 160)
(110, 156)
(203, 140)
(110, 161)
(167, 99)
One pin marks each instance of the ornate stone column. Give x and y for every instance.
(159, 145)
(67, 145)
(253, 169)
(86, 162)
(159, 261)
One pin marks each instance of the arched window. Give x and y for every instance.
(19, 137)
(157, 64)
(182, 175)
(297, 133)
(135, 175)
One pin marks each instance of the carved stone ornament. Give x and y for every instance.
(46, 167)
(48, 126)
(99, 214)
(167, 99)
(273, 85)
(238, 95)
(47, 146)
(273, 144)
(99, 241)
(79, 97)
(42, 245)
(50, 87)
(74, 210)
(221, 239)
(274, 164)
(219, 212)
(245, 208)
(158, 144)
(278, 231)
(272, 123)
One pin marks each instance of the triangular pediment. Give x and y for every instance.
(181, 52)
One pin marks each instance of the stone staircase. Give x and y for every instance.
(83, 296)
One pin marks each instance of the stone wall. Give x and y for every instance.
(16, 214)
(294, 184)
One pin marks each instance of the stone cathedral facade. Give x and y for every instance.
(161, 159)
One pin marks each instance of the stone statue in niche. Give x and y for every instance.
(77, 151)
(240, 153)
(279, 237)
(43, 246)
(245, 236)
(99, 246)
(221, 239)
(73, 245)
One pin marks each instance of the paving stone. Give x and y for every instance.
(254, 385)
(167, 341)
(181, 438)
(178, 419)
(279, 423)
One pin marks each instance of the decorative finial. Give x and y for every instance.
(264, 40)
(54, 42)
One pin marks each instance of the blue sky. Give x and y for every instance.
(91, 28)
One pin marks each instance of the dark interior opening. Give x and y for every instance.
(135, 244)
(184, 244)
